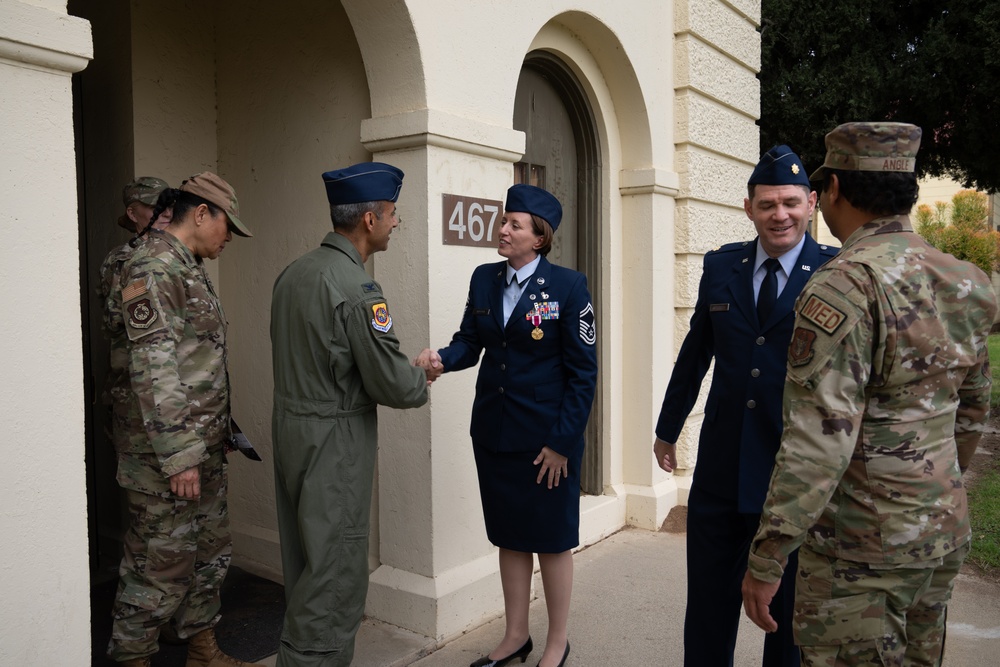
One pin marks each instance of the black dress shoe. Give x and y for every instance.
(561, 662)
(522, 653)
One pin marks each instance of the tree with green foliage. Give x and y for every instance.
(966, 233)
(934, 64)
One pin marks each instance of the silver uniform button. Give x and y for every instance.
(760, 340)
(751, 404)
(754, 373)
(500, 390)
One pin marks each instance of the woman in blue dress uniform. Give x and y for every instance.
(533, 397)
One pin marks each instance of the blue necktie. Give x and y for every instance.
(768, 290)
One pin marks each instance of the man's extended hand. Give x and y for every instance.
(666, 454)
(757, 596)
(430, 361)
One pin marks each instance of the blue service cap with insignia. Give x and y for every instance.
(779, 166)
(364, 182)
(522, 198)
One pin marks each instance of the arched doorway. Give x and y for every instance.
(561, 155)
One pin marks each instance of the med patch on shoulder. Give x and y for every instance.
(822, 314)
(381, 320)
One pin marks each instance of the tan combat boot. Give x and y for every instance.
(204, 652)
(135, 662)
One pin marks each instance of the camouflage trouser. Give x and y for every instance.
(849, 613)
(176, 556)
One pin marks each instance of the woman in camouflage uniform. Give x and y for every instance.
(172, 426)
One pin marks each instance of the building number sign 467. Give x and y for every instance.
(470, 220)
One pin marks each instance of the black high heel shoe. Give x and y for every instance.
(522, 653)
(561, 662)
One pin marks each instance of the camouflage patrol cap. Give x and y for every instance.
(211, 187)
(145, 189)
(871, 147)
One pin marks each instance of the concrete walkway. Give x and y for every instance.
(628, 611)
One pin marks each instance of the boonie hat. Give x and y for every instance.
(364, 182)
(145, 189)
(211, 187)
(871, 147)
(522, 198)
(779, 166)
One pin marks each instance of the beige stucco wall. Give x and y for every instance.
(43, 555)
(718, 102)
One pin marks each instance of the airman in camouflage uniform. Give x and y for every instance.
(171, 425)
(886, 396)
(139, 198)
(336, 358)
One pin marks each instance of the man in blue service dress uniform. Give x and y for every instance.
(744, 319)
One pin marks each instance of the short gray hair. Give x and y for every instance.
(347, 216)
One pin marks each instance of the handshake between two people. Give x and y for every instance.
(430, 361)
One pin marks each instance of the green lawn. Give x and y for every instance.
(984, 511)
(994, 345)
(984, 497)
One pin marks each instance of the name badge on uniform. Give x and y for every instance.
(480, 311)
(718, 307)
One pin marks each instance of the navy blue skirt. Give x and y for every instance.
(522, 515)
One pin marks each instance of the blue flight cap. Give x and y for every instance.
(779, 166)
(368, 181)
(523, 198)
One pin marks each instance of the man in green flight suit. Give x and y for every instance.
(336, 358)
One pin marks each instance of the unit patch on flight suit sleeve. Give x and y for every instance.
(381, 320)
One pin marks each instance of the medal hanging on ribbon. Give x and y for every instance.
(536, 319)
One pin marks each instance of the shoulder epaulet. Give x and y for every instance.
(730, 247)
(828, 250)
